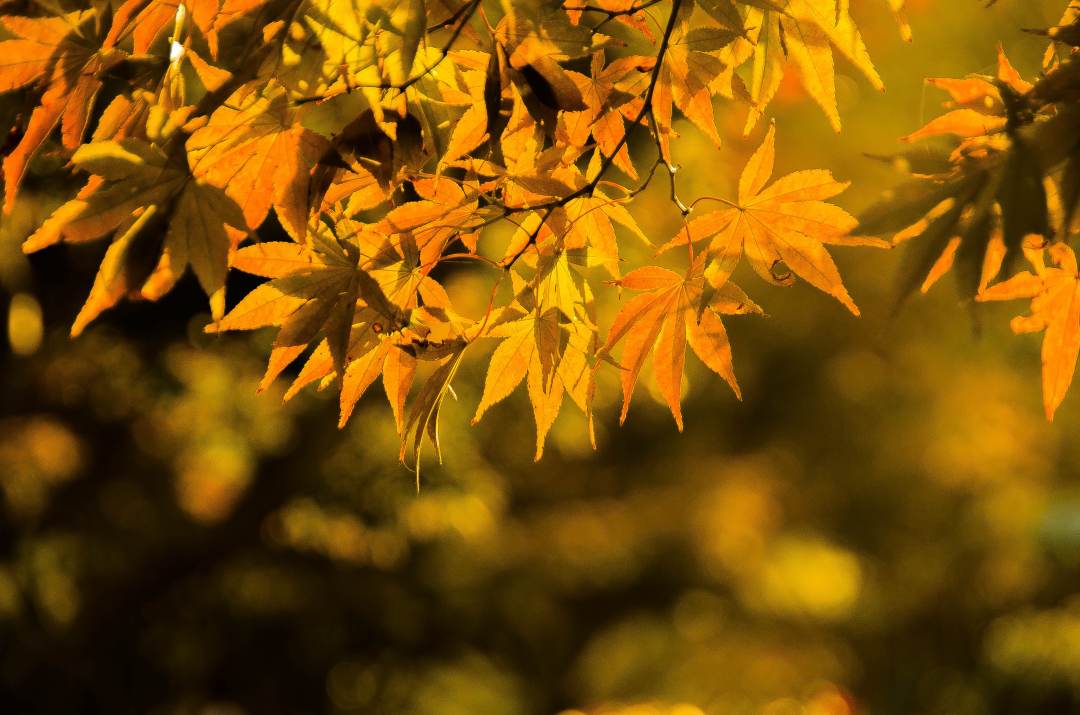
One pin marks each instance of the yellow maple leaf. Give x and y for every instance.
(808, 33)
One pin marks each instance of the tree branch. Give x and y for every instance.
(646, 108)
(462, 17)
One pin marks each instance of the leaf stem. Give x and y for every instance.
(719, 199)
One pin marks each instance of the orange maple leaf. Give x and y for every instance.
(977, 105)
(145, 19)
(254, 148)
(65, 55)
(685, 80)
(1055, 309)
(783, 224)
(672, 311)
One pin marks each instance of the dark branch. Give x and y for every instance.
(589, 188)
(463, 17)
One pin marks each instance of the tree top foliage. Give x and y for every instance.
(355, 153)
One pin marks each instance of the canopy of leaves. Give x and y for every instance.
(390, 138)
(360, 155)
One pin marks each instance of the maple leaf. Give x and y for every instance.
(354, 186)
(808, 33)
(529, 171)
(685, 78)
(977, 106)
(309, 293)
(343, 46)
(254, 148)
(671, 312)
(65, 54)
(433, 332)
(339, 30)
(397, 368)
(423, 418)
(541, 343)
(955, 224)
(608, 94)
(582, 220)
(363, 165)
(782, 224)
(318, 292)
(132, 177)
(518, 354)
(355, 295)
(472, 128)
(591, 222)
(144, 20)
(530, 31)
(549, 332)
(1055, 309)
(424, 228)
(993, 254)
(975, 209)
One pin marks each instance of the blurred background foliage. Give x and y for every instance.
(885, 525)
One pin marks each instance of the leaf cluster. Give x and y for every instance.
(356, 153)
(1004, 184)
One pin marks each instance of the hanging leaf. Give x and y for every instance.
(1055, 311)
(778, 227)
(666, 316)
(132, 178)
(65, 55)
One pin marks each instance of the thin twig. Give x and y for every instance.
(403, 85)
(590, 187)
(671, 168)
(611, 14)
(720, 199)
